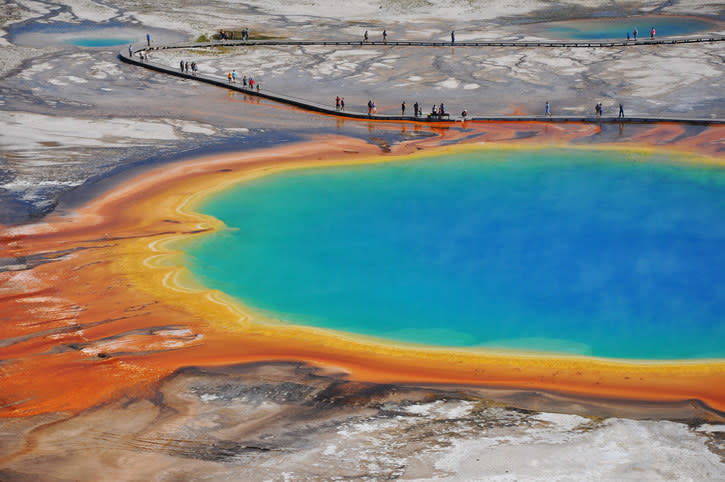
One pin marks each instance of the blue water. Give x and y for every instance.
(558, 250)
(617, 28)
(98, 41)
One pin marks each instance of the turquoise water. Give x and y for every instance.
(617, 28)
(98, 41)
(559, 250)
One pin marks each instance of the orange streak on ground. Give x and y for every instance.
(110, 316)
(517, 110)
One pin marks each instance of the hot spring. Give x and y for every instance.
(607, 253)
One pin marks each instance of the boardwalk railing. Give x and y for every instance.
(326, 109)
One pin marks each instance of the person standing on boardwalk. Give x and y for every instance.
(365, 37)
(635, 33)
(342, 104)
(652, 33)
(453, 37)
(370, 107)
(181, 65)
(244, 81)
(416, 109)
(548, 109)
(621, 111)
(130, 50)
(234, 75)
(229, 76)
(402, 108)
(148, 40)
(251, 83)
(385, 36)
(337, 103)
(627, 35)
(186, 66)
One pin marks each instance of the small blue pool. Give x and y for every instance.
(86, 34)
(617, 28)
(98, 41)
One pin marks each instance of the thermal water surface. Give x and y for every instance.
(617, 28)
(607, 253)
(98, 41)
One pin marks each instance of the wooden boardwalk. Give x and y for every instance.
(326, 109)
(417, 43)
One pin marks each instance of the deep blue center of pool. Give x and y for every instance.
(572, 251)
(98, 41)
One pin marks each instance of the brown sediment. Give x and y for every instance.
(255, 421)
(111, 313)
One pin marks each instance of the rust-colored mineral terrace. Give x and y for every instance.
(94, 307)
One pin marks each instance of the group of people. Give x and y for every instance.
(184, 67)
(652, 33)
(339, 103)
(598, 110)
(372, 108)
(143, 55)
(224, 35)
(232, 77)
(436, 111)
